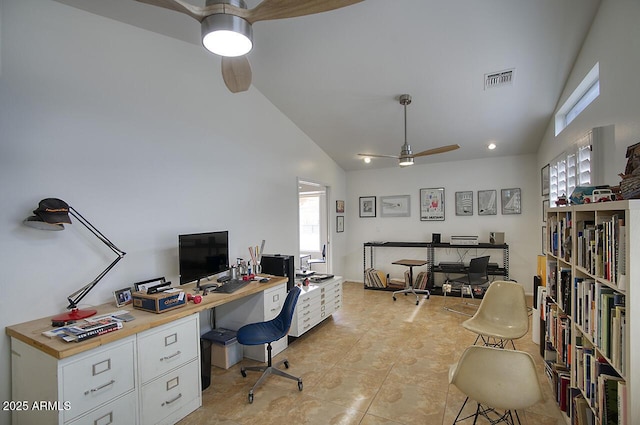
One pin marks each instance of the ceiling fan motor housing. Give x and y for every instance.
(237, 31)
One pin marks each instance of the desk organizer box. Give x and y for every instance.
(158, 302)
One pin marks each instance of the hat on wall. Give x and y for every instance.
(53, 211)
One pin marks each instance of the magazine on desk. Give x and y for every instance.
(84, 330)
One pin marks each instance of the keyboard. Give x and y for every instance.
(232, 285)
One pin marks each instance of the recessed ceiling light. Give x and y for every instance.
(491, 146)
(367, 160)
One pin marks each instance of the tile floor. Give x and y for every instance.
(374, 362)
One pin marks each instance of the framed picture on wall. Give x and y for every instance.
(544, 180)
(545, 205)
(544, 240)
(340, 206)
(511, 201)
(395, 206)
(367, 206)
(339, 224)
(432, 204)
(487, 202)
(464, 203)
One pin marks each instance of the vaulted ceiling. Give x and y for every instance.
(338, 75)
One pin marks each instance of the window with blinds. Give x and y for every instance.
(570, 169)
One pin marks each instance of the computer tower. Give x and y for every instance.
(279, 265)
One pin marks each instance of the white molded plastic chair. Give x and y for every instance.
(497, 380)
(502, 315)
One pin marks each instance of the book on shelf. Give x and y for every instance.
(80, 331)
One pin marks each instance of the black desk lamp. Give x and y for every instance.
(52, 214)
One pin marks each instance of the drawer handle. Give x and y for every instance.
(306, 320)
(304, 300)
(275, 309)
(306, 306)
(172, 400)
(101, 420)
(306, 313)
(93, 390)
(177, 353)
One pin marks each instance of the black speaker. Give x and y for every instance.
(279, 265)
(435, 237)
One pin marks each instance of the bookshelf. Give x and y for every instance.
(590, 352)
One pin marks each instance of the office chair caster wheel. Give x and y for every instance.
(418, 302)
(250, 398)
(243, 372)
(299, 385)
(394, 298)
(286, 364)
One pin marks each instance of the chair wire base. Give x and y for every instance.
(491, 341)
(414, 291)
(489, 413)
(446, 288)
(267, 370)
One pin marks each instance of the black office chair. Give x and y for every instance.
(267, 332)
(477, 274)
(322, 260)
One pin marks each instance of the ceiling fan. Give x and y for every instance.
(406, 155)
(226, 28)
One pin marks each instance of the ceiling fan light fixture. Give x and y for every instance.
(405, 161)
(227, 35)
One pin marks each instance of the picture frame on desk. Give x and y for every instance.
(367, 206)
(123, 297)
(395, 206)
(487, 202)
(432, 204)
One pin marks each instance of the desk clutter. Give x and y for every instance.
(90, 327)
(159, 302)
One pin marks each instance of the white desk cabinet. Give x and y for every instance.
(256, 308)
(169, 371)
(315, 303)
(89, 386)
(148, 378)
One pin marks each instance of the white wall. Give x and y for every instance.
(522, 232)
(139, 134)
(614, 42)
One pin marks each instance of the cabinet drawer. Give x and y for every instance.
(169, 393)
(120, 411)
(273, 301)
(97, 378)
(167, 347)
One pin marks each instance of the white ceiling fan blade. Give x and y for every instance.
(441, 149)
(236, 72)
(373, 155)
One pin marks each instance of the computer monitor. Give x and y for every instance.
(202, 255)
(305, 260)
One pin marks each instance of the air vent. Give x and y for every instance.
(498, 79)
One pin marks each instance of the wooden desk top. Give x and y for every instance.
(31, 332)
(410, 263)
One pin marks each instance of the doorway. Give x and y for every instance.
(313, 225)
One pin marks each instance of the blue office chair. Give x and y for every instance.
(266, 333)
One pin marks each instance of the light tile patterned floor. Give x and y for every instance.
(374, 362)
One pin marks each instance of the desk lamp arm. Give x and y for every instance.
(77, 296)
